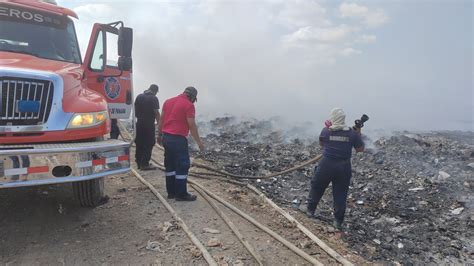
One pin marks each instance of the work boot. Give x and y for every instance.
(310, 213)
(170, 186)
(147, 167)
(188, 197)
(338, 225)
(180, 188)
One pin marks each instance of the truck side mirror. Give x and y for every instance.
(125, 41)
(125, 63)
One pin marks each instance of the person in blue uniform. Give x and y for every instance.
(337, 141)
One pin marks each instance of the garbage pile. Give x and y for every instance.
(411, 197)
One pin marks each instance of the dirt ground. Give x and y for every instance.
(44, 226)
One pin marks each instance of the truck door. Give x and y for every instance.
(104, 68)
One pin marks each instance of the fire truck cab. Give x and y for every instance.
(55, 106)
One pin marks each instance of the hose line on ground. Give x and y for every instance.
(220, 175)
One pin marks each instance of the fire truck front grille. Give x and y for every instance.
(25, 101)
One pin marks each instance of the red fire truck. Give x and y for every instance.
(55, 106)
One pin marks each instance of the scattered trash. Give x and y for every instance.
(195, 252)
(360, 202)
(169, 226)
(296, 203)
(416, 189)
(443, 175)
(214, 242)
(400, 245)
(153, 246)
(61, 209)
(423, 203)
(238, 263)
(211, 231)
(457, 211)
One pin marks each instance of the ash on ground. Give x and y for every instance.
(411, 198)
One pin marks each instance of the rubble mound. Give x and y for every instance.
(411, 197)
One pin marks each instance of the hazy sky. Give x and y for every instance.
(407, 64)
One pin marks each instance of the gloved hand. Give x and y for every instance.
(328, 123)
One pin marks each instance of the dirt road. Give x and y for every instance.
(45, 226)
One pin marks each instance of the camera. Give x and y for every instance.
(359, 123)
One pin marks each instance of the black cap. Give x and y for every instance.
(153, 88)
(191, 92)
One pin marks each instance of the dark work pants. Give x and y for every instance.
(114, 129)
(339, 173)
(177, 164)
(145, 140)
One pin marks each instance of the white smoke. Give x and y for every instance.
(296, 59)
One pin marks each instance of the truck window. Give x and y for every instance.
(112, 52)
(39, 34)
(97, 61)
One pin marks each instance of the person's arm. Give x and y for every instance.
(160, 126)
(360, 149)
(359, 144)
(194, 133)
(157, 116)
(322, 136)
(156, 110)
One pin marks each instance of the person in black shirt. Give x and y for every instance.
(147, 112)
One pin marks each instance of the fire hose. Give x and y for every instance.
(224, 173)
(218, 172)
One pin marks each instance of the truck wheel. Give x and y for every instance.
(89, 193)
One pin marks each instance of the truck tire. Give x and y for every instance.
(89, 193)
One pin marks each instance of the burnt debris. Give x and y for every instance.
(411, 197)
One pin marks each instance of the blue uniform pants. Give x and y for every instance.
(339, 173)
(177, 164)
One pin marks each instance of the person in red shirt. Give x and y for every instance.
(177, 120)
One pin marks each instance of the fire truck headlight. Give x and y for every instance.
(82, 120)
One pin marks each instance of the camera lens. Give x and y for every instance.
(364, 118)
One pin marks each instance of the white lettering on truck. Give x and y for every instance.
(20, 14)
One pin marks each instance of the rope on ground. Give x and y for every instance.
(207, 256)
(231, 225)
(261, 226)
(302, 228)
